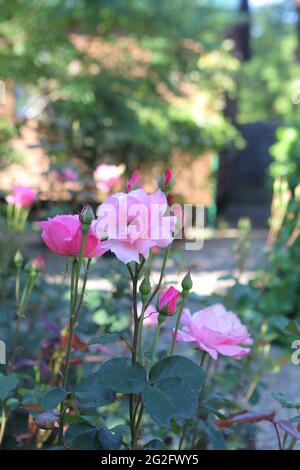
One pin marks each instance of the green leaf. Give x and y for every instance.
(92, 392)
(178, 367)
(53, 397)
(214, 435)
(77, 419)
(122, 376)
(82, 437)
(105, 339)
(284, 401)
(109, 440)
(8, 383)
(155, 444)
(169, 398)
(293, 328)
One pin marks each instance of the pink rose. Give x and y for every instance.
(38, 263)
(216, 331)
(134, 182)
(168, 300)
(134, 223)
(107, 176)
(63, 235)
(22, 196)
(150, 314)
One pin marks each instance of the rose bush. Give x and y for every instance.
(154, 378)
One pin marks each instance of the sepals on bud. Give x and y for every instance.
(167, 302)
(145, 288)
(18, 259)
(166, 181)
(86, 216)
(134, 182)
(186, 284)
(38, 264)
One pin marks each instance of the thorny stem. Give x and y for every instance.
(3, 424)
(136, 346)
(132, 399)
(137, 427)
(177, 327)
(278, 436)
(166, 256)
(140, 333)
(20, 312)
(75, 305)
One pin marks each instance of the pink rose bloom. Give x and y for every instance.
(168, 300)
(134, 182)
(22, 196)
(67, 174)
(63, 235)
(150, 314)
(216, 331)
(134, 223)
(107, 176)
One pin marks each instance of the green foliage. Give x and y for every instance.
(91, 392)
(8, 383)
(269, 82)
(178, 367)
(7, 153)
(285, 402)
(122, 376)
(126, 97)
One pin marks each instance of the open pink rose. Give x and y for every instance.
(134, 182)
(22, 196)
(168, 300)
(63, 235)
(216, 331)
(134, 223)
(150, 314)
(107, 176)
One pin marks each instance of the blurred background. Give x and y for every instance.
(200, 85)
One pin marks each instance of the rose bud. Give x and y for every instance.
(167, 302)
(38, 264)
(134, 182)
(145, 287)
(18, 259)
(87, 215)
(166, 182)
(186, 284)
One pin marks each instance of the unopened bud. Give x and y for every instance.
(166, 182)
(187, 283)
(145, 287)
(87, 215)
(18, 259)
(134, 182)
